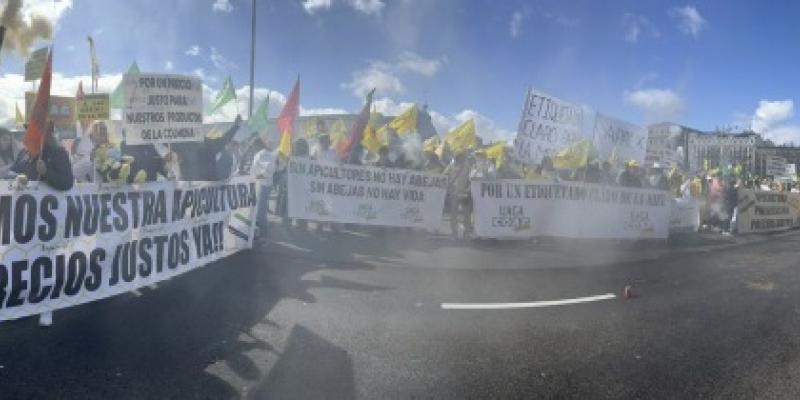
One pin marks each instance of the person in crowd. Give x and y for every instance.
(593, 172)
(459, 199)
(147, 162)
(107, 159)
(383, 158)
(299, 150)
(630, 176)
(546, 170)
(197, 159)
(8, 152)
(356, 156)
(432, 164)
(263, 168)
(324, 153)
(656, 178)
(52, 166)
(227, 161)
(730, 201)
(482, 168)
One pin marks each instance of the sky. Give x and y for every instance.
(705, 65)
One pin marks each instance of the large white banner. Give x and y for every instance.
(522, 209)
(61, 249)
(623, 140)
(548, 125)
(161, 108)
(365, 195)
(766, 211)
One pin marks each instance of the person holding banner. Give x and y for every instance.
(8, 152)
(197, 160)
(630, 176)
(459, 200)
(263, 168)
(51, 165)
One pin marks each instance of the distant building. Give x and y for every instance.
(719, 149)
(667, 144)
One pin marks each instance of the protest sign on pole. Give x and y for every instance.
(521, 209)
(61, 249)
(550, 124)
(162, 108)
(365, 195)
(624, 140)
(766, 211)
(92, 107)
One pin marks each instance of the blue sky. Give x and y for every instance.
(700, 64)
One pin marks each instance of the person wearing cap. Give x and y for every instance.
(630, 176)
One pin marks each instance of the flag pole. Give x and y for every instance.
(252, 59)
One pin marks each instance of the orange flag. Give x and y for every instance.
(286, 118)
(357, 133)
(37, 123)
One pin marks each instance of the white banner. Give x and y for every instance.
(548, 125)
(684, 216)
(623, 140)
(521, 209)
(766, 211)
(161, 108)
(61, 249)
(365, 195)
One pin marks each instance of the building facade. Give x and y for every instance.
(766, 151)
(720, 149)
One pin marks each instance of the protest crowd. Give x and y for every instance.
(569, 173)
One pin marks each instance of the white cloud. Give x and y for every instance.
(13, 88)
(222, 6)
(384, 75)
(367, 6)
(312, 6)
(30, 22)
(690, 21)
(771, 113)
(636, 25)
(383, 80)
(413, 62)
(194, 51)
(658, 105)
(220, 62)
(784, 134)
(199, 72)
(515, 24)
(169, 66)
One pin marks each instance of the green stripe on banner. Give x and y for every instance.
(243, 219)
(238, 233)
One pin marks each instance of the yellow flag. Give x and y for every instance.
(338, 133)
(406, 122)
(285, 147)
(214, 133)
(431, 144)
(497, 153)
(310, 128)
(370, 140)
(573, 156)
(18, 117)
(462, 138)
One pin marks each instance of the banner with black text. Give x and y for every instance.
(521, 209)
(365, 195)
(61, 249)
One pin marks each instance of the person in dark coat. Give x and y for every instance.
(145, 158)
(198, 160)
(51, 166)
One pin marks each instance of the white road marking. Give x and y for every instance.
(531, 304)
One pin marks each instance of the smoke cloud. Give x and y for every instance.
(21, 32)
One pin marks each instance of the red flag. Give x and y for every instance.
(37, 123)
(357, 133)
(286, 118)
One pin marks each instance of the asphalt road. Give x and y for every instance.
(359, 315)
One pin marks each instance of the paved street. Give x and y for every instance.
(355, 315)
